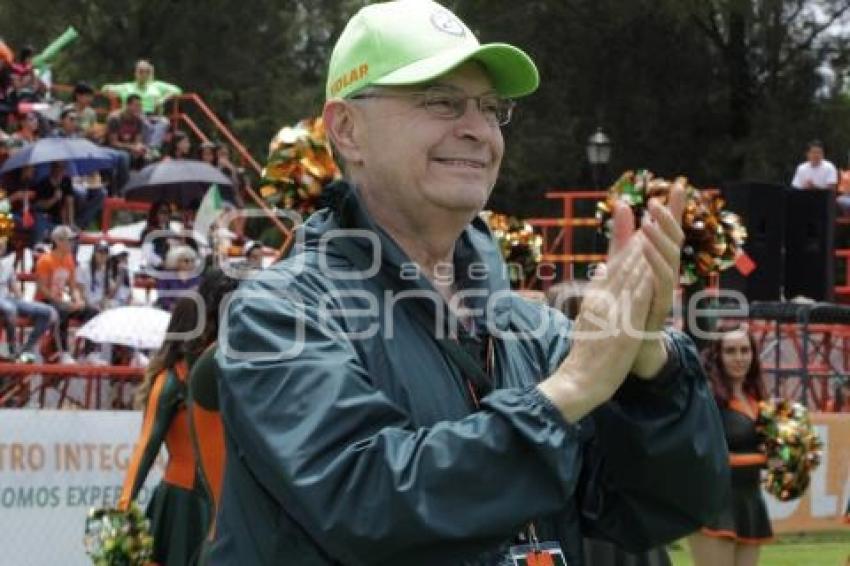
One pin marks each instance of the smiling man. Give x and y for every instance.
(388, 400)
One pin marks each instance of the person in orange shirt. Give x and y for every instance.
(734, 538)
(57, 286)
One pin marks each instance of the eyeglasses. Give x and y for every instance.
(451, 104)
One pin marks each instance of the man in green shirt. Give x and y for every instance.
(153, 94)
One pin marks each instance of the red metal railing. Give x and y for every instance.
(559, 236)
(27, 385)
(178, 115)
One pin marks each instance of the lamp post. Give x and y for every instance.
(598, 153)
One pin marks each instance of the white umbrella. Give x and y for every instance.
(142, 328)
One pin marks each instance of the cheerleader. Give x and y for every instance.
(736, 535)
(179, 510)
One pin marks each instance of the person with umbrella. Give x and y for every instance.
(54, 197)
(62, 158)
(89, 191)
(68, 126)
(183, 182)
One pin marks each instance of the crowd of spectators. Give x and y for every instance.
(52, 206)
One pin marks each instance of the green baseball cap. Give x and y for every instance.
(408, 42)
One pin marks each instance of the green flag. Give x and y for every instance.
(211, 206)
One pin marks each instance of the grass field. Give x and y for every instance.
(822, 549)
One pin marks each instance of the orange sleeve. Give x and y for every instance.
(739, 460)
(147, 447)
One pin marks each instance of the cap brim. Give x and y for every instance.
(512, 71)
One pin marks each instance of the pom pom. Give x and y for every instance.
(520, 246)
(299, 165)
(713, 236)
(792, 447)
(118, 537)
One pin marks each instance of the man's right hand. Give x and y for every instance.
(608, 329)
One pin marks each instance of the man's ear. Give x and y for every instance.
(340, 126)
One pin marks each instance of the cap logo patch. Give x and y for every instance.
(446, 22)
(350, 77)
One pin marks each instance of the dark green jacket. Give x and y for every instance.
(351, 448)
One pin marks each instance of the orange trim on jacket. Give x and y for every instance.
(180, 470)
(740, 460)
(733, 535)
(210, 432)
(750, 410)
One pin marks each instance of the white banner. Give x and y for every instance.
(54, 467)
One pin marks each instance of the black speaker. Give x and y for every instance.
(762, 210)
(809, 244)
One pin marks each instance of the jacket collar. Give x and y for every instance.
(479, 268)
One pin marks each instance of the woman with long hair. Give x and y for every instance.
(155, 246)
(180, 509)
(29, 128)
(119, 278)
(93, 277)
(736, 535)
(208, 154)
(180, 146)
(207, 427)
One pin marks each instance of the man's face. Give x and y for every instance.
(31, 121)
(815, 155)
(143, 73)
(69, 123)
(415, 161)
(64, 244)
(57, 170)
(134, 107)
(85, 99)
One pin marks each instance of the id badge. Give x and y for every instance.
(541, 554)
